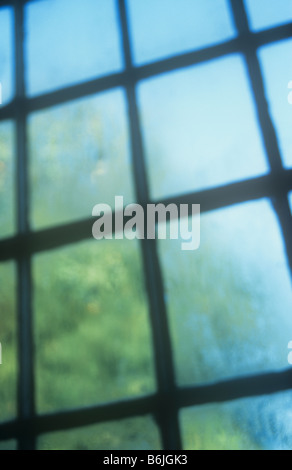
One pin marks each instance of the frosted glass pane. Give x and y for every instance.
(251, 424)
(129, 434)
(230, 301)
(267, 13)
(93, 339)
(79, 157)
(165, 27)
(200, 128)
(6, 54)
(69, 42)
(8, 368)
(7, 176)
(276, 61)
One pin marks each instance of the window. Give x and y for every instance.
(126, 345)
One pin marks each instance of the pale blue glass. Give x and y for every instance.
(130, 434)
(161, 28)
(268, 13)
(276, 61)
(70, 41)
(8, 340)
(230, 301)
(6, 54)
(261, 423)
(200, 128)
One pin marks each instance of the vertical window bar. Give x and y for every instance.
(281, 203)
(168, 408)
(24, 286)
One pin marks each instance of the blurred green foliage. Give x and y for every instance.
(8, 369)
(7, 194)
(129, 434)
(92, 332)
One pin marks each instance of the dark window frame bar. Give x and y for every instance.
(216, 393)
(21, 247)
(143, 72)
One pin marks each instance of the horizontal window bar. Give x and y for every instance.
(225, 391)
(268, 186)
(239, 44)
(235, 389)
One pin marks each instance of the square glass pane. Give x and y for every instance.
(69, 42)
(262, 423)
(92, 334)
(230, 301)
(277, 67)
(6, 54)
(129, 434)
(200, 128)
(162, 28)
(8, 368)
(79, 157)
(267, 13)
(7, 169)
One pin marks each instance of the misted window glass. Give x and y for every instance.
(268, 13)
(8, 333)
(79, 155)
(93, 340)
(69, 42)
(277, 68)
(7, 179)
(230, 301)
(128, 434)
(200, 129)
(261, 423)
(6, 54)
(161, 28)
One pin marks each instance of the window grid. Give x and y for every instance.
(165, 404)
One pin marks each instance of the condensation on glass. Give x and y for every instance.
(277, 67)
(262, 423)
(200, 128)
(69, 42)
(93, 340)
(129, 434)
(231, 314)
(264, 14)
(177, 26)
(79, 157)
(8, 333)
(6, 51)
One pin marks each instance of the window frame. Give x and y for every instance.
(169, 398)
